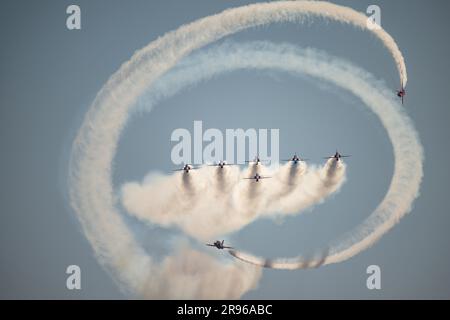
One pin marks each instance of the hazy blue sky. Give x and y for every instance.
(50, 75)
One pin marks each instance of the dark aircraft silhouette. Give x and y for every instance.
(401, 93)
(219, 245)
(337, 156)
(221, 164)
(295, 159)
(257, 177)
(186, 168)
(256, 161)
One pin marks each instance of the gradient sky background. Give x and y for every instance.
(50, 75)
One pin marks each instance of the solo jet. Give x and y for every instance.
(257, 161)
(257, 177)
(186, 168)
(295, 159)
(401, 93)
(221, 164)
(337, 156)
(219, 245)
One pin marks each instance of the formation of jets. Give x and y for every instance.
(219, 245)
(295, 160)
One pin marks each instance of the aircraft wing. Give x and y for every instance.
(178, 170)
(265, 177)
(211, 245)
(346, 156)
(225, 247)
(249, 178)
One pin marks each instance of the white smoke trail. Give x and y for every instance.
(191, 274)
(212, 202)
(91, 190)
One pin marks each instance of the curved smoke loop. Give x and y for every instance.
(91, 190)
